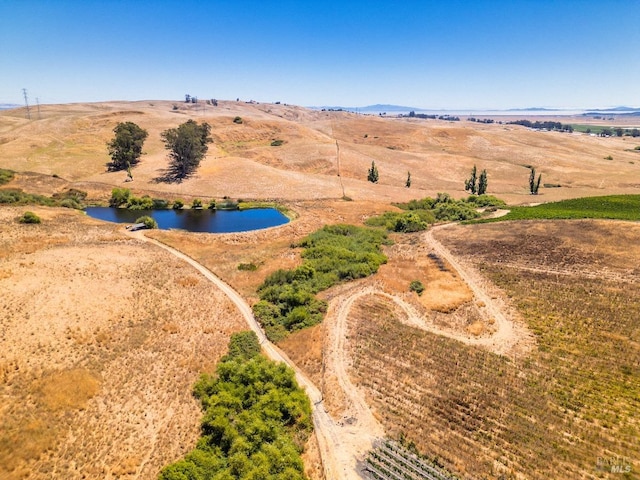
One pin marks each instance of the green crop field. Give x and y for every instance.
(618, 207)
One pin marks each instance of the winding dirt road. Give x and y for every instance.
(335, 459)
(342, 444)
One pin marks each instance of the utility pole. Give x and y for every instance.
(38, 103)
(26, 102)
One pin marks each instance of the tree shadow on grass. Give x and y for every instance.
(171, 175)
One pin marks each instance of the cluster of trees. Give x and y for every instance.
(333, 254)
(547, 125)
(373, 175)
(256, 421)
(425, 116)
(122, 198)
(475, 184)
(187, 145)
(481, 120)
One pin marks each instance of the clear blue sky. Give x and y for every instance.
(429, 54)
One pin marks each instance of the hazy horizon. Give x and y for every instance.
(456, 55)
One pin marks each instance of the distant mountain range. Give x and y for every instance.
(377, 108)
(7, 106)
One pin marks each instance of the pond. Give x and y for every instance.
(211, 221)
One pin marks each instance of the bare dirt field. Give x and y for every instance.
(103, 336)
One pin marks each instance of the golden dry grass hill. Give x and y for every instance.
(102, 336)
(69, 141)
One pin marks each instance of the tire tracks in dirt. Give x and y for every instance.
(335, 460)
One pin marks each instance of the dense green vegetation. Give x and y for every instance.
(620, 207)
(126, 146)
(148, 222)
(256, 420)
(71, 198)
(6, 176)
(187, 145)
(29, 217)
(333, 254)
(419, 213)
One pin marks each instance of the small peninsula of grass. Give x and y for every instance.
(615, 207)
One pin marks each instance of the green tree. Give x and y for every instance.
(408, 182)
(470, 184)
(372, 174)
(119, 197)
(148, 221)
(126, 146)
(534, 184)
(187, 145)
(482, 183)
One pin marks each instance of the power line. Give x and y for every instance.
(26, 102)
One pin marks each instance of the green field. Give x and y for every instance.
(618, 207)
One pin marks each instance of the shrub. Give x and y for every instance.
(608, 157)
(148, 221)
(277, 143)
(212, 205)
(247, 267)
(416, 286)
(237, 120)
(29, 217)
(178, 204)
(6, 176)
(143, 203)
(119, 197)
(160, 204)
(333, 254)
(197, 203)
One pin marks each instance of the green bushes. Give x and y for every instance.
(148, 222)
(143, 203)
(6, 176)
(247, 267)
(197, 203)
(416, 286)
(333, 254)
(277, 143)
(178, 204)
(212, 205)
(71, 199)
(29, 217)
(237, 120)
(256, 420)
(119, 197)
(420, 213)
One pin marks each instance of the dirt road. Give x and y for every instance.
(336, 461)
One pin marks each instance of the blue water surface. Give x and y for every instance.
(211, 221)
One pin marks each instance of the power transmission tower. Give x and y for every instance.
(26, 102)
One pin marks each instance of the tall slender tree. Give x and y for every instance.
(470, 184)
(482, 183)
(534, 184)
(408, 182)
(373, 175)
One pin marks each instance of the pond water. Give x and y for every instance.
(211, 221)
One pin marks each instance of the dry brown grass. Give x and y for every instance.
(102, 339)
(70, 140)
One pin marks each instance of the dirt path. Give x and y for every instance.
(509, 336)
(334, 455)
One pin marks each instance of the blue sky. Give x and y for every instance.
(453, 54)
